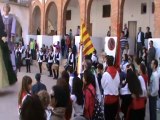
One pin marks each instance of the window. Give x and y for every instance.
(153, 7)
(143, 8)
(106, 11)
(68, 15)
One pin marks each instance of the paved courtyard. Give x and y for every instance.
(9, 96)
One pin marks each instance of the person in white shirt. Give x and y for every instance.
(40, 59)
(94, 59)
(28, 58)
(77, 96)
(153, 90)
(57, 58)
(110, 83)
(70, 59)
(50, 61)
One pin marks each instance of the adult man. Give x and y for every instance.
(140, 42)
(150, 57)
(148, 34)
(153, 90)
(38, 86)
(126, 32)
(10, 28)
(110, 83)
(28, 59)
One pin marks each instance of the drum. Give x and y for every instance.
(55, 66)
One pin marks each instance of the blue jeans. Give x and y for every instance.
(152, 108)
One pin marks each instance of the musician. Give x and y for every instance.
(28, 59)
(50, 61)
(40, 59)
(57, 59)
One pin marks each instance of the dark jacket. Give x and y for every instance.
(148, 35)
(142, 37)
(2, 31)
(38, 87)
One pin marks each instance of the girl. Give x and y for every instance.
(77, 96)
(25, 90)
(89, 91)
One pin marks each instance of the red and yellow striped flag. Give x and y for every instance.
(88, 47)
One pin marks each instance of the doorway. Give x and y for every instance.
(132, 28)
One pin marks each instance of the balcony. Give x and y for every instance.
(18, 2)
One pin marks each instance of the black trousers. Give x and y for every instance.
(126, 101)
(139, 49)
(50, 69)
(110, 111)
(56, 72)
(28, 64)
(40, 67)
(152, 108)
(137, 114)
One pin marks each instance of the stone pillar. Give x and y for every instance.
(60, 17)
(157, 19)
(83, 11)
(116, 21)
(43, 18)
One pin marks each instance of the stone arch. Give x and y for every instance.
(51, 24)
(36, 19)
(66, 4)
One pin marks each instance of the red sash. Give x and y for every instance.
(111, 99)
(138, 103)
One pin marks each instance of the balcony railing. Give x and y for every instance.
(18, 2)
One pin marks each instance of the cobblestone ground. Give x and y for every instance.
(9, 96)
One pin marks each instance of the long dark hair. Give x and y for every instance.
(26, 81)
(89, 78)
(133, 83)
(77, 90)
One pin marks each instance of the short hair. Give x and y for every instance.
(7, 6)
(155, 63)
(148, 28)
(151, 41)
(100, 66)
(38, 77)
(110, 60)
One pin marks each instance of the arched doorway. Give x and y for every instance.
(100, 19)
(36, 16)
(71, 17)
(137, 13)
(51, 19)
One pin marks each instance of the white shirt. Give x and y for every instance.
(94, 58)
(125, 90)
(72, 59)
(109, 85)
(143, 86)
(39, 54)
(154, 84)
(123, 66)
(78, 109)
(59, 56)
(49, 58)
(139, 37)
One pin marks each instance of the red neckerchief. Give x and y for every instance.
(112, 71)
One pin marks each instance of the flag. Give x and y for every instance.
(88, 47)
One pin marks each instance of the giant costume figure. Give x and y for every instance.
(7, 74)
(10, 29)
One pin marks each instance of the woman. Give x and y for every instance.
(77, 96)
(7, 74)
(58, 102)
(62, 83)
(25, 90)
(89, 91)
(137, 107)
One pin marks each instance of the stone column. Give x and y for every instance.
(60, 17)
(43, 18)
(157, 19)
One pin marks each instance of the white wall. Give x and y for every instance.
(22, 14)
(75, 19)
(132, 12)
(100, 25)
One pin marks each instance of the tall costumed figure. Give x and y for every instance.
(7, 56)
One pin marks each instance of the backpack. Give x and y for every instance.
(98, 113)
